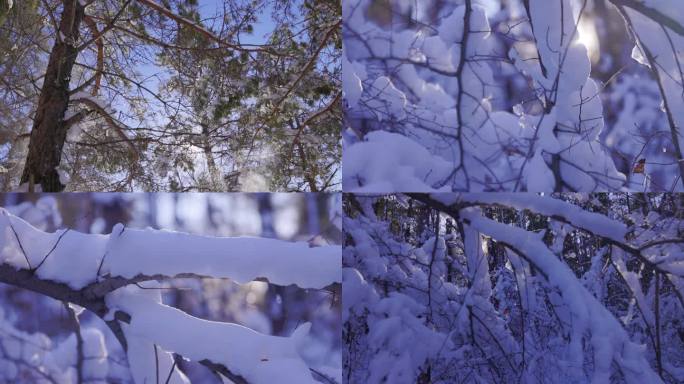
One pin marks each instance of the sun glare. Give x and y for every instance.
(587, 36)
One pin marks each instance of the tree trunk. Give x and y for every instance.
(49, 131)
(214, 173)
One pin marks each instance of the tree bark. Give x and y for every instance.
(49, 131)
(214, 174)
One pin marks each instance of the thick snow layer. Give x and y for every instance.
(388, 162)
(357, 293)
(257, 357)
(74, 258)
(23, 246)
(593, 222)
(433, 87)
(151, 252)
(155, 330)
(609, 339)
(538, 176)
(519, 294)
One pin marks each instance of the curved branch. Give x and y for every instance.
(92, 25)
(614, 232)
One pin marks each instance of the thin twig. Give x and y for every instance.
(16, 235)
(53, 248)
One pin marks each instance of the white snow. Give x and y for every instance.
(257, 357)
(549, 206)
(151, 252)
(155, 329)
(588, 315)
(403, 80)
(130, 252)
(506, 282)
(389, 162)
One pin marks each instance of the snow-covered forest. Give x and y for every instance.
(170, 95)
(503, 288)
(513, 95)
(513, 178)
(170, 288)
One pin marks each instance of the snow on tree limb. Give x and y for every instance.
(647, 249)
(593, 222)
(536, 287)
(149, 254)
(660, 13)
(98, 273)
(429, 87)
(561, 288)
(247, 354)
(610, 341)
(241, 258)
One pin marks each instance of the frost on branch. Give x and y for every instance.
(446, 288)
(119, 277)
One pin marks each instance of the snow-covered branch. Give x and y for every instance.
(249, 356)
(615, 232)
(561, 288)
(609, 340)
(103, 274)
(513, 96)
(140, 255)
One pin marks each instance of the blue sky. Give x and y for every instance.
(209, 9)
(264, 26)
